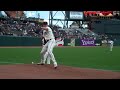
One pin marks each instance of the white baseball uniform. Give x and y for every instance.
(48, 57)
(111, 44)
(48, 47)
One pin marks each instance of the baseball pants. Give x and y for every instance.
(46, 52)
(49, 58)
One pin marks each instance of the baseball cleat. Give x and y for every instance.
(55, 67)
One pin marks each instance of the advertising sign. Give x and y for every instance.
(76, 15)
(59, 42)
(85, 42)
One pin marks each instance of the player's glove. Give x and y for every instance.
(43, 41)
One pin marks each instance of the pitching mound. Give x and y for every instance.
(48, 72)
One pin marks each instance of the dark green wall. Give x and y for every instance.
(35, 41)
(19, 41)
(66, 41)
(117, 42)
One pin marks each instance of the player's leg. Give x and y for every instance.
(111, 47)
(48, 59)
(51, 45)
(42, 53)
(46, 53)
(50, 50)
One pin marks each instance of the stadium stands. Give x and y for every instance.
(14, 14)
(17, 27)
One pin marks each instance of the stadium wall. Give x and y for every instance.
(19, 41)
(35, 41)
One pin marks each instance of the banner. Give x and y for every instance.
(76, 15)
(59, 42)
(86, 42)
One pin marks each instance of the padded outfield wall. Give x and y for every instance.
(35, 41)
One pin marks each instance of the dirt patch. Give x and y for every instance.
(31, 71)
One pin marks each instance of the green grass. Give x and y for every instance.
(84, 57)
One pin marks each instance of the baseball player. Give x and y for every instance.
(48, 47)
(110, 42)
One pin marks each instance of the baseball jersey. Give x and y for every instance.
(111, 42)
(48, 34)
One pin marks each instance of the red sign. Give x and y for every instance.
(88, 13)
(105, 13)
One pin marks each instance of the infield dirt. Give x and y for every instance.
(32, 71)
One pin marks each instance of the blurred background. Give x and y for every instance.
(95, 25)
